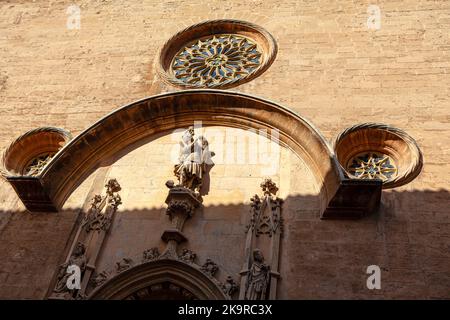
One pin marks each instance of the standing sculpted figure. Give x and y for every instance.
(258, 278)
(193, 158)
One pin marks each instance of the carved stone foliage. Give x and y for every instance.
(150, 255)
(180, 205)
(209, 267)
(102, 208)
(77, 258)
(258, 278)
(265, 213)
(187, 256)
(99, 279)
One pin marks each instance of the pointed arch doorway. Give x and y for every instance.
(164, 279)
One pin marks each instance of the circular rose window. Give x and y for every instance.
(372, 165)
(378, 151)
(32, 151)
(216, 54)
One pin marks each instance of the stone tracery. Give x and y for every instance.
(216, 60)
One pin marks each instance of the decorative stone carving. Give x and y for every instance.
(258, 278)
(150, 255)
(269, 187)
(77, 258)
(99, 279)
(35, 166)
(216, 54)
(230, 286)
(123, 265)
(181, 205)
(98, 219)
(372, 165)
(216, 60)
(29, 153)
(265, 221)
(209, 267)
(193, 158)
(369, 151)
(188, 256)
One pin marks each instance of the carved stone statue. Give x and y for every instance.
(78, 258)
(230, 286)
(258, 278)
(193, 158)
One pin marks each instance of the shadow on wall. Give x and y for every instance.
(408, 238)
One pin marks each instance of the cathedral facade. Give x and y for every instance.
(253, 150)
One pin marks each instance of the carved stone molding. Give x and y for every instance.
(187, 257)
(154, 115)
(29, 153)
(153, 273)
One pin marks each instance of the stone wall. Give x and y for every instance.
(330, 68)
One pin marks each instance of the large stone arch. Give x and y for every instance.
(137, 121)
(155, 272)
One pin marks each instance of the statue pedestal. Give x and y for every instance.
(181, 205)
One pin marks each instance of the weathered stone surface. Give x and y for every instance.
(329, 68)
